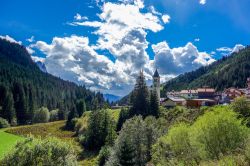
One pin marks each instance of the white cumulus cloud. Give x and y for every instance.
(179, 60)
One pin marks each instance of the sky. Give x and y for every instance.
(103, 44)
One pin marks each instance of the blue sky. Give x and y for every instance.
(89, 49)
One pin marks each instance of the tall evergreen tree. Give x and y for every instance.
(20, 104)
(31, 103)
(127, 154)
(8, 110)
(81, 107)
(140, 95)
(154, 103)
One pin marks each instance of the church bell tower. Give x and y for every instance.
(156, 84)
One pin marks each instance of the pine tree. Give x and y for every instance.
(31, 103)
(154, 103)
(20, 104)
(140, 95)
(72, 114)
(81, 107)
(123, 116)
(8, 110)
(127, 154)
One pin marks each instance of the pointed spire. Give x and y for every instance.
(156, 74)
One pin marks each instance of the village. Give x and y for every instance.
(195, 98)
(204, 96)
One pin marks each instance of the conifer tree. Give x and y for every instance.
(127, 154)
(8, 110)
(20, 104)
(81, 107)
(154, 103)
(140, 96)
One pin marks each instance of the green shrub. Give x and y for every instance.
(4, 123)
(241, 106)
(41, 115)
(175, 145)
(33, 152)
(104, 155)
(54, 115)
(218, 133)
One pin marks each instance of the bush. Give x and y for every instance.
(4, 123)
(218, 133)
(104, 155)
(241, 106)
(54, 115)
(41, 115)
(175, 145)
(33, 152)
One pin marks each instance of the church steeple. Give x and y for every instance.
(156, 83)
(156, 74)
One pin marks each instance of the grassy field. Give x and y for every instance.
(52, 129)
(7, 142)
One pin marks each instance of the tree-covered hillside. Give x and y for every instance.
(226, 72)
(24, 88)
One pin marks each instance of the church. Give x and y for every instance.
(157, 84)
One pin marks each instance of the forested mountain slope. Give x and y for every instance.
(24, 87)
(231, 71)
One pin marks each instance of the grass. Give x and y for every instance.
(52, 129)
(7, 142)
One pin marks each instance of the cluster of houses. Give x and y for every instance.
(205, 96)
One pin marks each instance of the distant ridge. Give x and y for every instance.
(230, 71)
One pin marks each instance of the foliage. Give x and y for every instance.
(71, 121)
(104, 155)
(100, 130)
(154, 104)
(4, 123)
(223, 73)
(218, 132)
(35, 151)
(8, 110)
(176, 145)
(180, 114)
(41, 115)
(81, 107)
(242, 106)
(133, 145)
(140, 97)
(54, 115)
(123, 116)
(31, 88)
(215, 134)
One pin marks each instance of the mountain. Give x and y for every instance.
(41, 66)
(25, 87)
(230, 71)
(111, 98)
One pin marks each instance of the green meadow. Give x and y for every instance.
(7, 141)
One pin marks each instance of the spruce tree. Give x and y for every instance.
(81, 107)
(140, 96)
(8, 110)
(127, 154)
(20, 104)
(154, 103)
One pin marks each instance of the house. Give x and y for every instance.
(189, 94)
(170, 102)
(230, 94)
(197, 103)
(206, 93)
